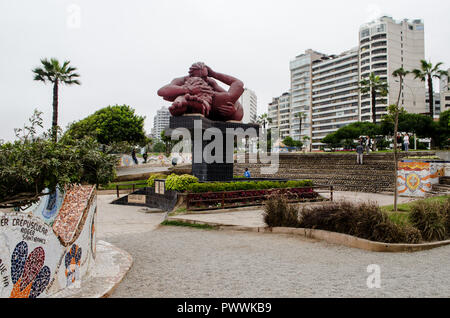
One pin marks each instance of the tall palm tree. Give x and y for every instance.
(56, 74)
(428, 72)
(301, 116)
(375, 86)
(401, 74)
(264, 119)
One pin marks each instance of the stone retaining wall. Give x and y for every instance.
(338, 170)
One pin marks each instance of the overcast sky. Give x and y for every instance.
(126, 50)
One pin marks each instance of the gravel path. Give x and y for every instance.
(186, 262)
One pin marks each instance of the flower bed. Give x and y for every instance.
(228, 199)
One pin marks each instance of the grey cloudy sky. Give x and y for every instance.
(126, 50)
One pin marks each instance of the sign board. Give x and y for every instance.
(160, 186)
(136, 198)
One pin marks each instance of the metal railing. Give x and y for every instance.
(130, 186)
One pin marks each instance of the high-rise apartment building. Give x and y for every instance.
(300, 104)
(436, 104)
(386, 45)
(335, 94)
(160, 122)
(249, 103)
(279, 113)
(445, 93)
(325, 88)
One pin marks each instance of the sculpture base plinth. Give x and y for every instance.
(203, 167)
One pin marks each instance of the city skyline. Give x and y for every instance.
(137, 51)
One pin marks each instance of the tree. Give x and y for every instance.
(288, 141)
(400, 73)
(31, 167)
(112, 124)
(301, 116)
(375, 86)
(428, 72)
(352, 132)
(168, 143)
(56, 74)
(444, 130)
(421, 125)
(264, 120)
(159, 147)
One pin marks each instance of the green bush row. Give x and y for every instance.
(246, 185)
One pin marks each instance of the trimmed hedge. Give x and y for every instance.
(180, 183)
(246, 185)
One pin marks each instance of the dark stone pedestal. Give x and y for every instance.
(210, 168)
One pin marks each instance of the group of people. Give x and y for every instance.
(365, 143)
(133, 155)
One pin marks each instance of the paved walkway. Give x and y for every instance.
(187, 262)
(125, 171)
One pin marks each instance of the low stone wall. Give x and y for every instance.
(339, 170)
(50, 246)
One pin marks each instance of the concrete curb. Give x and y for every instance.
(111, 266)
(329, 237)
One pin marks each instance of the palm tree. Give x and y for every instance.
(264, 120)
(56, 74)
(428, 72)
(401, 74)
(301, 116)
(375, 86)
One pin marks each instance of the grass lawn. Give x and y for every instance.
(402, 216)
(185, 224)
(123, 185)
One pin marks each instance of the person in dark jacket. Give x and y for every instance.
(359, 153)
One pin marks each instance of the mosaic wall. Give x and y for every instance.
(49, 246)
(415, 179)
(182, 158)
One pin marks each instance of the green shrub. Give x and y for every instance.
(364, 220)
(412, 235)
(179, 183)
(153, 177)
(277, 212)
(247, 185)
(431, 219)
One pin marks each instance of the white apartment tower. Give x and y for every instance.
(279, 114)
(335, 94)
(300, 104)
(386, 45)
(160, 122)
(445, 93)
(249, 103)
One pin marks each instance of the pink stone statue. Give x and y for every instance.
(199, 93)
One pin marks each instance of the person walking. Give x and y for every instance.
(368, 144)
(145, 155)
(406, 142)
(133, 155)
(247, 174)
(359, 153)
